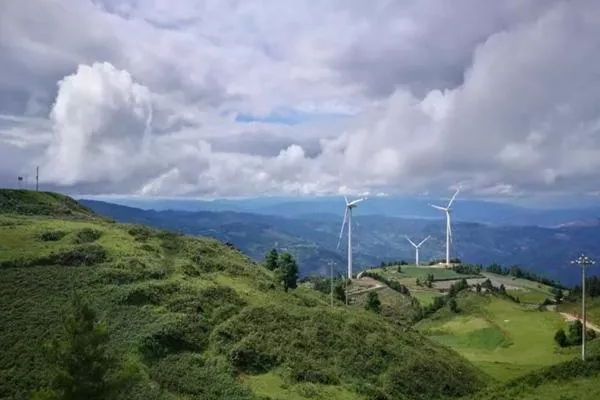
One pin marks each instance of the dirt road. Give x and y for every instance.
(571, 317)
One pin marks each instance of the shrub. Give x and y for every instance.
(373, 302)
(87, 235)
(52, 236)
(560, 337)
(193, 378)
(140, 232)
(171, 242)
(149, 293)
(251, 360)
(82, 255)
(188, 334)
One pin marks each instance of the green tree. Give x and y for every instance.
(575, 332)
(453, 306)
(287, 272)
(339, 291)
(558, 294)
(272, 260)
(373, 303)
(561, 338)
(399, 269)
(82, 366)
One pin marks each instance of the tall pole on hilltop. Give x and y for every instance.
(37, 178)
(583, 261)
(350, 244)
(447, 238)
(331, 282)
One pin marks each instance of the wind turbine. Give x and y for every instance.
(447, 210)
(348, 217)
(416, 246)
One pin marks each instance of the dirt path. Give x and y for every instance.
(361, 291)
(571, 317)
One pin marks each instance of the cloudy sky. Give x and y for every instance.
(249, 97)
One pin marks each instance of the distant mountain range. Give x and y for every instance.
(467, 210)
(312, 235)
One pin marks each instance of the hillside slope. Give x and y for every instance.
(503, 338)
(377, 238)
(199, 319)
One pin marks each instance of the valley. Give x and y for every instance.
(193, 318)
(313, 238)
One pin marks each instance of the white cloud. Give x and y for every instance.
(499, 97)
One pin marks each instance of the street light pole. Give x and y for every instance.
(584, 261)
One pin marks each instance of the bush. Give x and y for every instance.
(251, 360)
(188, 334)
(373, 302)
(560, 337)
(193, 378)
(52, 236)
(140, 232)
(87, 235)
(149, 293)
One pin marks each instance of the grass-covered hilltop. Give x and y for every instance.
(191, 318)
(110, 310)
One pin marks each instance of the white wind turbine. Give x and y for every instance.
(348, 217)
(448, 226)
(416, 246)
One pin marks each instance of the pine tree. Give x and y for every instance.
(287, 272)
(83, 366)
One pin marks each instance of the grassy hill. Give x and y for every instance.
(569, 380)
(503, 338)
(196, 318)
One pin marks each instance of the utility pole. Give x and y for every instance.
(37, 178)
(583, 261)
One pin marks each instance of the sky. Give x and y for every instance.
(300, 97)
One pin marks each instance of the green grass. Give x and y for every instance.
(425, 297)
(502, 338)
(418, 272)
(572, 380)
(201, 320)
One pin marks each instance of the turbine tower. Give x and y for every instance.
(447, 210)
(416, 246)
(348, 218)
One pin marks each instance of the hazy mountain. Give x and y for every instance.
(377, 238)
(468, 210)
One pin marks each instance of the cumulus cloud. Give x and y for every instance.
(101, 123)
(425, 94)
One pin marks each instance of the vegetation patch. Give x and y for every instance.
(186, 334)
(87, 235)
(149, 293)
(83, 255)
(52, 236)
(189, 375)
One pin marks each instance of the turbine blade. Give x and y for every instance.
(453, 197)
(352, 203)
(346, 198)
(411, 242)
(343, 226)
(438, 207)
(424, 240)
